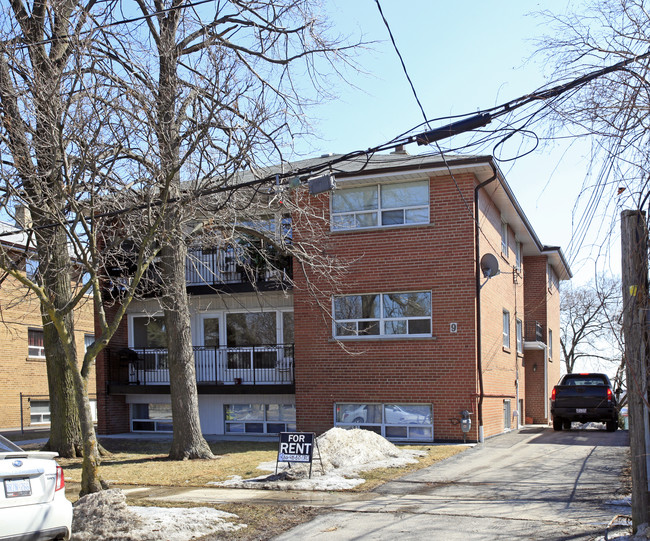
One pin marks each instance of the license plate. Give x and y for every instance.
(581, 410)
(14, 488)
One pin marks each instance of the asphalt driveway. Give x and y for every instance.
(530, 484)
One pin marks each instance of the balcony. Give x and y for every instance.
(219, 267)
(535, 332)
(228, 368)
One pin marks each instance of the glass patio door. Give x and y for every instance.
(207, 358)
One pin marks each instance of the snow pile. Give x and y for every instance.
(343, 454)
(105, 515)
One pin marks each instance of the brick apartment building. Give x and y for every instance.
(24, 400)
(413, 333)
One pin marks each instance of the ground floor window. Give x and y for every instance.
(401, 422)
(151, 417)
(260, 418)
(39, 412)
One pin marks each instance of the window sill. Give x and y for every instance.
(374, 229)
(506, 350)
(380, 338)
(36, 359)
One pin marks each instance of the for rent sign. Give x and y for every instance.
(296, 447)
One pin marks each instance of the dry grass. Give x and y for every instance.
(134, 462)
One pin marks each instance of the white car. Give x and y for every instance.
(33, 505)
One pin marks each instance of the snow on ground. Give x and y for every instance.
(343, 454)
(105, 515)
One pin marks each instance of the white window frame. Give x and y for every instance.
(379, 210)
(518, 258)
(42, 417)
(381, 320)
(506, 329)
(519, 326)
(550, 344)
(553, 280)
(289, 424)
(36, 352)
(415, 432)
(504, 238)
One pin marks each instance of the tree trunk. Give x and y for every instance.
(188, 440)
(65, 431)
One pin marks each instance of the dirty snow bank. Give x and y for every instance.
(343, 453)
(105, 515)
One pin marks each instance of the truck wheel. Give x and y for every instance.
(566, 425)
(557, 423)
(612, 426)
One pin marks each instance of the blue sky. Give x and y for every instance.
(462, 57)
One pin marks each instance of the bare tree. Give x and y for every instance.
(65, 132)
(590, 320)
(610, 111)
(221, 89)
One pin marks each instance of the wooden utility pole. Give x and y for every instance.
(634, 278)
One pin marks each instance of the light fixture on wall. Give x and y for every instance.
(535, 367)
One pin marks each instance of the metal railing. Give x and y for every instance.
(247, 365)
(225, 266)
(534, 332)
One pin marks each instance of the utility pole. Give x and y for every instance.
(634, 278)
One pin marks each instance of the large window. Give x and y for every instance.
(260, 418)
(387, 314)
(149, 335)
(35, 343)
(149, 332)
(151, 418)
(400, 422)
(381, 205)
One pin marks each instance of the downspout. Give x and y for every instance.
(479, 362)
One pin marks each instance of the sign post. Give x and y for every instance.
(297, 447)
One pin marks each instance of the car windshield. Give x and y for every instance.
(8, 447)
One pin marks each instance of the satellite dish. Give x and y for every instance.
(489, 266)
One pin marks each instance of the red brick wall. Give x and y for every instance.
(543, 306)
(501, 365)
(112, 410)
(442, 370)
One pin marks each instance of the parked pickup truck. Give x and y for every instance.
(584, 398)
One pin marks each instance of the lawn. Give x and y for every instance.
(144, 462)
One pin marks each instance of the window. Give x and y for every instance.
(518, 256)
(507, 415)
(504, 238)
(89, 340)
(260, 418)
(35, 342)
(400, 422)
(550, 344)
(39, 412)
(151, 418)
(553, 282)
(150, 340)
(388, 314)
(381, 205)
(520, 339)
(506, 329)
(31, 268)
(149, 332)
